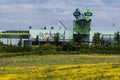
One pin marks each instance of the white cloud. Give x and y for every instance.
(47, 12)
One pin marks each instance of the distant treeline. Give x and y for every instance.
(69, 48)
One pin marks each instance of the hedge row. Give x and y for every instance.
(69, 47)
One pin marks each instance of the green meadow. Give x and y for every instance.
(60, 67)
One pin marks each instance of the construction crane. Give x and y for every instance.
(63, 25)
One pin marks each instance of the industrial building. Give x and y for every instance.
(81, 26)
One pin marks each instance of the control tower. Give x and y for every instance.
(81, 25)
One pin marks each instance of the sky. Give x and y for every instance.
(20, 14)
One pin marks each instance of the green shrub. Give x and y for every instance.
(59, 48)
(84, 46)
(71, 46)
(116, 49)
(27, 48)
(46, 49)
(2, 48)
(11, 48)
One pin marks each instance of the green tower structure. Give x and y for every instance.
(81, 26)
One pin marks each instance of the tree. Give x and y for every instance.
(117, 37)
(96, 38)
(78, 38)
(48, 40)
(36, 41)
(56, 38)
(20, 42)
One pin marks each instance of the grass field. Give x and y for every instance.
(60, 67)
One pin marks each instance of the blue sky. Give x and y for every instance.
(19, 14)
